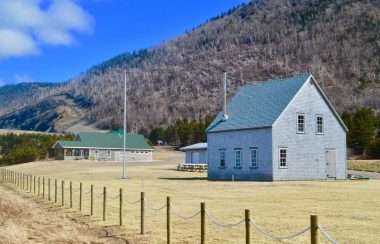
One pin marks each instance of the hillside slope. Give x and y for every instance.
(19, 95)
(52, 114)
(337, 41)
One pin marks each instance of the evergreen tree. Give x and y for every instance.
(362, 133)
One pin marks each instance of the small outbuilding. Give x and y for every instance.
(196, 153)
(104, 146)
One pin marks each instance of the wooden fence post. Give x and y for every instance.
(314, 234)
(104, 203)
(142, 215)
(23, 181)
(203, 223)
(55, 192)
(49, 190)
(43, 188)
(168, 222)
(71, 194)
(63, 193)
(30, 186)
(27, 182)
(39, 185)
(80, 196)
(248, 227)
(92, 200)
(121, 207)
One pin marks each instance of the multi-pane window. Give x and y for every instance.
(222, 157)
(253, 154)
(300, 123)
(237, 157)
(109, 154)
(283, 156)
(319, 124)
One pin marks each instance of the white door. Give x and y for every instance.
(195, 157)
(331, 163)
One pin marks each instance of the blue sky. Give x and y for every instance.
(55, 40)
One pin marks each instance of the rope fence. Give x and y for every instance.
(30, 183)
(327, 235)
(182, 216)
(216, 222)
(132, 202)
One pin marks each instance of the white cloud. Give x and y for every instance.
(26, 25)
(16, 43)
(2, 83)
(22, 78)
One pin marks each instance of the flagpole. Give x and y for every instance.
(125, 122)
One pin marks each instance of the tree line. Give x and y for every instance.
(363, 136)
(23, 148)
(182, 133)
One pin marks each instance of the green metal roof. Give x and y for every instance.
(106, 140)
(258, 105)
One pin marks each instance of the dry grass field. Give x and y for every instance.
(24, 219)
(365, 165)
(348, 210)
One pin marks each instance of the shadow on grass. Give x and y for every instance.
(183, 178)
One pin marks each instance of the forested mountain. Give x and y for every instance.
(336, 40)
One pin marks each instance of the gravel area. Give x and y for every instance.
(372, 175)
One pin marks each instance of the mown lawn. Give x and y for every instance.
(364, 165)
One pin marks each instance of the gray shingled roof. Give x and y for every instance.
(258, 105)
(197, 146)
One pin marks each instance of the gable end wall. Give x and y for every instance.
(307, 152)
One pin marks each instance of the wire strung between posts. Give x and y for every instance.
(134, 202)
(278, 237)
(327, 235)
(221, 224)
(112, 197)
(76, 190)
(153, 208)
(87, 192)
(98, 194)
(184, 217)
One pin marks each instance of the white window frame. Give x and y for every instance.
(224, 158)
(317, 125)
(238, 164)
(286, 158)
(253, 164)
(298, 123)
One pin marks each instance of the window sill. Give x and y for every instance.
(222, 167)
(320, 134)
(253, 167)
(302, 133)
(237, 167)
(283, 167)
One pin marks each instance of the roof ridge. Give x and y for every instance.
(276, 80)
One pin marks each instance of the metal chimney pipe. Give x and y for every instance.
(224, 96)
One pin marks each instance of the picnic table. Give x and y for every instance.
(192, 167)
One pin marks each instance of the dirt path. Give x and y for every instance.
(26, 219)
(372, 175)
